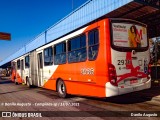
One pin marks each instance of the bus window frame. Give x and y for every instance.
(77, 49)
(40, 60)
(97, 44)
(44, 57)
(126, 49)
(54, 53)
(22, 64)
(28, 62)
(18, 64)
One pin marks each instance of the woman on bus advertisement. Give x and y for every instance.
(134, 38)
(129, 35)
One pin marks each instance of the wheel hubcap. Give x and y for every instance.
(62, 88)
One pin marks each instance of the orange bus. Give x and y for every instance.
(105, 58)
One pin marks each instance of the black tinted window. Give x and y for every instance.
(77, 49)
(18, 64)
(60, 53)
(48, 56)
(27, 64)
(93, 41)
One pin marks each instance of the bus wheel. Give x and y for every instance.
(15, 81)
(61, 89)
(28, 83)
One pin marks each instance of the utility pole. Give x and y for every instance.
(72, 5)
(5, 36)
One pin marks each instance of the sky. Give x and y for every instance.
(26, 19)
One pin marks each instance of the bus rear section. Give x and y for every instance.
(128, 70)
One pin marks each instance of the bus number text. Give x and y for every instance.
(123, 62)
(87, 71)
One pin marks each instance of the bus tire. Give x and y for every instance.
(15, 81)
(61, 89)
(28, 83)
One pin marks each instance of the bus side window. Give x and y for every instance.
(48, 56)
(93, 42)
(77, 49)
(18, 64)
(60, 53)
(27, 65)
(22, 64)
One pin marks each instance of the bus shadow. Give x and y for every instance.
(5, 81)
(48, 93)
(121, 99)
(19, 89)
(131, 98)
(15, 91)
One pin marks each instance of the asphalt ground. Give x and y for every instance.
(21, 102)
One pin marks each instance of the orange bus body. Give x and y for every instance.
(89, 77)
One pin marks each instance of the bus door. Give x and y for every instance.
(22, 69)
(40, 69)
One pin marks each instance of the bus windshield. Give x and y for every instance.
(129, 35)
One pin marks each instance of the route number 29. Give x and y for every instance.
(123, 62)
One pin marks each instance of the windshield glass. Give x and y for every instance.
(129, 35)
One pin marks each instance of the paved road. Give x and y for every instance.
(24, 100)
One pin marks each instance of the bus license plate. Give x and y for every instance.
(133, 81)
